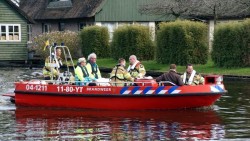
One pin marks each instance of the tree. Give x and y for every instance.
(177, 8)
(245, 2)
(222, 8)
(198, 8)
(201, 9)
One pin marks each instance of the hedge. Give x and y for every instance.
(95, 39)
(69, 38)
(182, 42)
(133, 39)
(231, 47)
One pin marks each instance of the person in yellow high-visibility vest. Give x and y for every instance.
(81, 73)
(119, 74)
(51, 71)
(92, 67)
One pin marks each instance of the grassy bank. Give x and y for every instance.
(208, 68)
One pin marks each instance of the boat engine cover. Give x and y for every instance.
(146, 82)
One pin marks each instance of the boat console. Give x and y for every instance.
(213, 79)
(146, 82)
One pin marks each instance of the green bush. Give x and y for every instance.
(69, 38)
(95, 39)
(134, 39)
(246, 43)
(182, 42)
(231, 44)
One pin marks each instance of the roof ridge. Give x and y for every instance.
(19, 10)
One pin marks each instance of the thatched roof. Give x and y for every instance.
(74, 9)
(21, 12)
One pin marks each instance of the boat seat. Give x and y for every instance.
(66, 78)
(92, 84)
(103, 82)
(146, 82)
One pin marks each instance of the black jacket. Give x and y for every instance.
(171, 76)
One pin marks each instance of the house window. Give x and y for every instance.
(142, 23)
(124, 23)
(111, 28)
(81, 26)
(10, 32)
(29, 32)
(46, 28)
(61, 26)
(57, 0)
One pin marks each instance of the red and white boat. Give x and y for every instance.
(147, 95)
(119, 98)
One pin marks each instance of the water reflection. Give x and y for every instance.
(234, 108)
(56, 124)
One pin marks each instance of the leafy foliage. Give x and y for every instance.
(182, 42)
(135, 39)
(69, 38)
(95, 39)
(231, 44)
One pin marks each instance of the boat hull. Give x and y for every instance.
(117, 98)
(117, 102)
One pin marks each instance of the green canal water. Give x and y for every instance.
(229, 119)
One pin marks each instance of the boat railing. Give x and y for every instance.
(107, 83)
(59, 82)
(132, 83)
(67, 57)
(167, 83)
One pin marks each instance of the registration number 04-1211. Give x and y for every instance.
(36, 87)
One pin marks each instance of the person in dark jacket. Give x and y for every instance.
(171, 76)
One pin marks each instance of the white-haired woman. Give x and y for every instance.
(81, 73)
(92, 67)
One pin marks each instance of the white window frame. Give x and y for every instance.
(29, 32)
(8, 33)
(112, 26)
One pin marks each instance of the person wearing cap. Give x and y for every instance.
(92, 67)
(171, 76)
(191, 77)
(119, 74)
(81, 73)
(136, 69)
(50, 71)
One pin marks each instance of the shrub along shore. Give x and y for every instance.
(153, 67)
